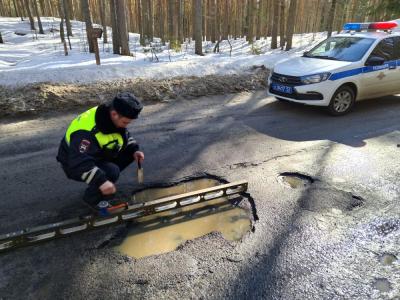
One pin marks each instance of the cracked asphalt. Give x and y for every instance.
(336, 236)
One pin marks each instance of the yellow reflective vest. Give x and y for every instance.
(86, 121)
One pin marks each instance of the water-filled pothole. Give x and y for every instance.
(295, 180)
(164, 232)
(382, 284)
(387, 259)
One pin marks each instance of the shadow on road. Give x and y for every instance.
(295, 122)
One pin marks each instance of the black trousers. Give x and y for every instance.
(111, 168)
(115, 167)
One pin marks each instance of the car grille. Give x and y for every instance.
(286, 79)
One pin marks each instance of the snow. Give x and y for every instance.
(27, 59)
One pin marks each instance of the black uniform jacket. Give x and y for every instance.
(79, 158)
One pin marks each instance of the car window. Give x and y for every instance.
(397, 47)
(341, 48)
(385, 49)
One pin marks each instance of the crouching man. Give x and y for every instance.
(97, 146)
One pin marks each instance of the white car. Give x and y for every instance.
(350, 66)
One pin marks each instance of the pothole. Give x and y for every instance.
(165, 231)
(387, 259)
(387, 227)
(382, 284)
(295, 180)
(355, 202)
(319, 198)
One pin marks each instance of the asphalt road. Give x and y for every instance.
(336, 236)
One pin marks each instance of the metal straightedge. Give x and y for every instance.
(131, 212)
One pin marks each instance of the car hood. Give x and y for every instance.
(300, 66)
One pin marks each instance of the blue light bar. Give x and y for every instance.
(356, 26)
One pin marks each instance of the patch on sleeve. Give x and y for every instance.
(84, 146)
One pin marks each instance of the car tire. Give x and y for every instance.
(342, 101)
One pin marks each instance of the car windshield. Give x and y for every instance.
(341, 48)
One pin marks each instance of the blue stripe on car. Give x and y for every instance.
(388, 65)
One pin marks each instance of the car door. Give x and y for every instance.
(379, 80)
(396, 86)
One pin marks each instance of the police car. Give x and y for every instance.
(361, 62)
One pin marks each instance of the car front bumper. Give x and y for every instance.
(318, 94)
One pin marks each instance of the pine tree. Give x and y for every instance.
(38, 17)
(331, 17)
(198, 26)
(115, 34)
(274, 36)
(290, 24)
(28, 10)
(88, 23)
(67, 12)
(122, 29)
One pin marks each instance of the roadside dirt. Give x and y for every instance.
(42, 97)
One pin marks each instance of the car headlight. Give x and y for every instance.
(315, 78)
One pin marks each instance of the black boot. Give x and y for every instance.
(92, 196)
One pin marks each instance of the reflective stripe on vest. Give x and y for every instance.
(87, 121)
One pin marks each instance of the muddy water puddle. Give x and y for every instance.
(295, 180)
(165, 231)
(387, 259)
(382, 284)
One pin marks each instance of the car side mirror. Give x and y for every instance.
(375, 61)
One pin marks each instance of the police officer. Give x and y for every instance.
(97, 146)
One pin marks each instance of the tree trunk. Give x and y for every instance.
(20, 9)
(260, 17)
(161, 22)
(122, 30)
(150, 22)
(71, 10)
(290, 24)
(144, 14)
(67, 13)
(17, 13)
(103, 20)
(171, 36)
(38, 17)
(62, 35)
(140, 18)
(340, 15)
(274, 35)
(225, 21)
(250, 18)
(132, 16)
(213, 23)
(331, 17)
(282, 24)
(61, 14)
(198, 26)
(43, 8)
(218, 21)
(178, 16)
(28, 10)
(88, 22)
(114, 26)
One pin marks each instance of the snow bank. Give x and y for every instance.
(26, 60)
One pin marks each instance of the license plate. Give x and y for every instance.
(282, 88)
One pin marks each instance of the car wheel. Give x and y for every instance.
(342, 101)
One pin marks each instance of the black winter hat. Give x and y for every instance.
(127, 105)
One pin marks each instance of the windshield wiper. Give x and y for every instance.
(324, 57)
